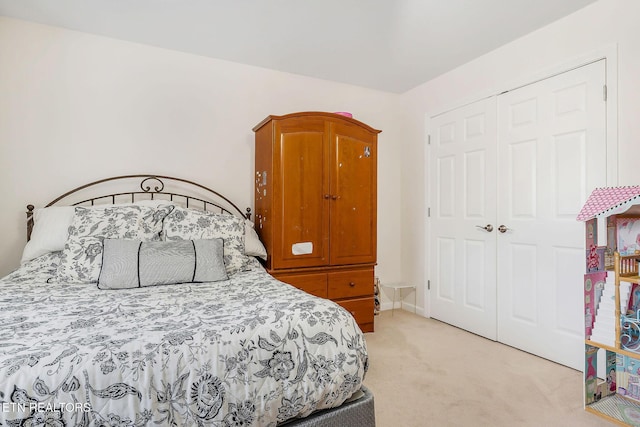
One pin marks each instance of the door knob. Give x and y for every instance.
(487, 227)
(503, 228)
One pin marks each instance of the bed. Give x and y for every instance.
(156, 311)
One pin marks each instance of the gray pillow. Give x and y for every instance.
(133, 263)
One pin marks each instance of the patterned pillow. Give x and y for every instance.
(133, 263)
(82, 255)
(193, 224)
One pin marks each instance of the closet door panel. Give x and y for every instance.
(552, 154)
(462, 250)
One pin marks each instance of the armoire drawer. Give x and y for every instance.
(348, 284)
(362, 310)
(314, 284)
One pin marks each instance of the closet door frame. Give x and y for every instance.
(609, 53)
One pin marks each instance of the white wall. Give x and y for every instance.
(595, 28)
(76, 107)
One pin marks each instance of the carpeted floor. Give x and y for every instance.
(426, 373)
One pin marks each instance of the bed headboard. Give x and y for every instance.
(132, 188)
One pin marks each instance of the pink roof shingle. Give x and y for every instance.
(606, 199)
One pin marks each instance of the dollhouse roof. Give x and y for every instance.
(609, 201)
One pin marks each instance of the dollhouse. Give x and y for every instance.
(612, 304)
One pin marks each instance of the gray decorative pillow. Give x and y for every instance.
(193, 224)
(82, 255)
(132, 263)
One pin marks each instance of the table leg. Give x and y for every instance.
(393, 304)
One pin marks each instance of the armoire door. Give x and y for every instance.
(301, 189)
(552, 154)
(353, 195)
(463, 213)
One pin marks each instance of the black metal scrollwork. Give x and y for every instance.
(150, 184)
(147, 188)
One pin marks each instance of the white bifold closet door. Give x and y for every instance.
(463, 203)
(550, 152)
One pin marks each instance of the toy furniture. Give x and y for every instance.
(612, 304)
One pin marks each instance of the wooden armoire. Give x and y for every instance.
(316, 206)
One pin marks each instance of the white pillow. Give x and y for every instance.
(50, 231)
(51, 227)
(252, 244)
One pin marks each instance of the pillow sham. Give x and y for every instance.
(82, 254)
(252, 244)
(192, 224)
(50, 231)
(51, 226)
(133, 263)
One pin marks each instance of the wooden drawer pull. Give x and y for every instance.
(352, 284)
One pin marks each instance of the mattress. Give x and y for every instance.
(245, 351)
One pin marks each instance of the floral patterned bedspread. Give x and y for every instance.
(245, 351)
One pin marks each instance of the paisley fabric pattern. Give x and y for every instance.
(193, 224)
(248, 351)
(82, 254)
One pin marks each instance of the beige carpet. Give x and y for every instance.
(426, 373)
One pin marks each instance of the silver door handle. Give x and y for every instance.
(487, 227)
(503, 228)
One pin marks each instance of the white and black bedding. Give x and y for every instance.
(244, 351)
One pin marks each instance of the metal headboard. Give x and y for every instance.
(151, 186)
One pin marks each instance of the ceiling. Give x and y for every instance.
(389, 45)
